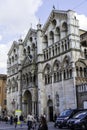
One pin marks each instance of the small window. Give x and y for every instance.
(31, 39)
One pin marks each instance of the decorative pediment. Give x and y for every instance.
(51, 17)
(27, 60)
(14, 45)
(31, 33)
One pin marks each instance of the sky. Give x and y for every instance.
(17, 16)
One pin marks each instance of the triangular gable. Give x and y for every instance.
(51, 17)
(26, 61)
(29, 34)
(14, 45)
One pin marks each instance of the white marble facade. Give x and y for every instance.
(41, 68)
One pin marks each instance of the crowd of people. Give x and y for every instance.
(33, 122)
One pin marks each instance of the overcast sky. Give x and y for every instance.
(16, 17)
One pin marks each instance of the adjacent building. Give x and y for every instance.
(3, 101)
(47, 70)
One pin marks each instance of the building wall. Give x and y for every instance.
(42, 67)
(3, 100)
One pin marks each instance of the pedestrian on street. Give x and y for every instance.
(43, 124)
(34, 124)
(6, 119)
(21, 118)
(11, 120)
(15, 120)
(30, 119)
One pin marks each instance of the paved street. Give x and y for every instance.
(4, 126)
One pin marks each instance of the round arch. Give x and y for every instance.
(27, 102)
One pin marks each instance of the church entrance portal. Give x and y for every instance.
(27, 103)
(50, 110)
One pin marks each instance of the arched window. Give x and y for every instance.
(14, 50)
(47, 73)
(81, 71)
(52, 36)
(64, 74)
(68, 44)
(53, 50)
(54, 22)
(34, 78)
(62, 47)
(16, 57)
(49, 52)
(45, 41)
(70, 73)
(44, 55)
(65, 46)
(56, 49)
(57, 34)
(28, 49)
(77, 71)
(85, 72)
(64, 26)
(45, 79)
(55, 77)
(58, 30)
(31, 39)
(12, 58)
(9, 60)
(56, 70)
(85, 53)
(25, 52)
(48, 78)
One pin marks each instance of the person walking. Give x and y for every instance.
(43, 124)
(21, 118)
(15, 120)
(11, 120)
(30, 119)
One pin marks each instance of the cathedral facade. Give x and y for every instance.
(46, 69)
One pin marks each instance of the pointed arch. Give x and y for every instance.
(56, 65)
(28, 49)
(48, 74)
(81, 68)
(47, 68)
(51, 36)
(66, 61)
(64, 26)
(45, 41)
(54, 22)
(57, 30)
(56, 71)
